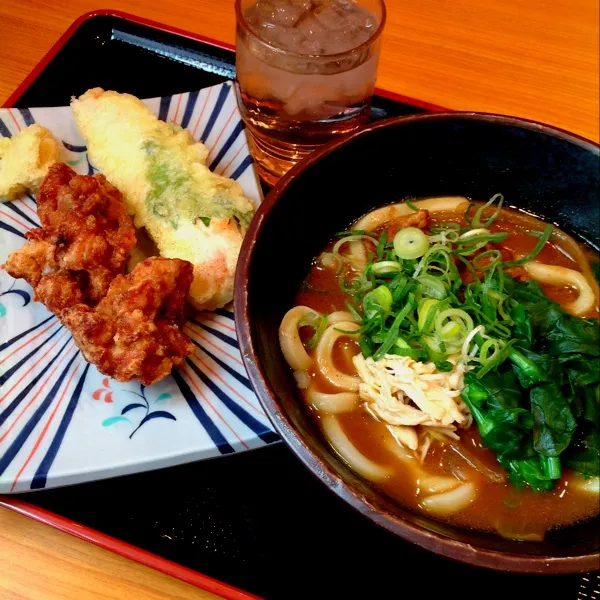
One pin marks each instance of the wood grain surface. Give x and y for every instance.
(41, 563)
(532, 58)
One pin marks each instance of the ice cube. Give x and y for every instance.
(359, 21)
(331, 17)
(289, 39)
(318, 26)
(288, 15)
(275, 12)
(311, 46)
(312, 28)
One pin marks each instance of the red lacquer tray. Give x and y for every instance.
(256, 521)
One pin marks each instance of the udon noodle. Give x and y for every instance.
(446, 349)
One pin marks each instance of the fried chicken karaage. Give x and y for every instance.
(134, 332)
(84, 241)
(129, 326)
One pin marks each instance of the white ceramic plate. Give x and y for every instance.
(62, 422)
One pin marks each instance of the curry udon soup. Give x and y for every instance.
(449, 351)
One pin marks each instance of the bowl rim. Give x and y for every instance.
(412, 532)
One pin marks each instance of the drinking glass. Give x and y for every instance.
(306, 72)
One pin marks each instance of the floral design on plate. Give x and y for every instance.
(62, 422)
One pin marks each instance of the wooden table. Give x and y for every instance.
(533, 58)
(41, 563)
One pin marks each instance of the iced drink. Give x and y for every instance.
(306, 71)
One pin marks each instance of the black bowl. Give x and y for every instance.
(542, 170)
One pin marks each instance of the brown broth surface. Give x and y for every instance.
(497, 506)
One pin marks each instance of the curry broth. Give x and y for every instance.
(497, 506)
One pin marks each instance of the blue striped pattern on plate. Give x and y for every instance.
(62, 422)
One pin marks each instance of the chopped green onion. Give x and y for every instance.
(318, 323)
(445, 226)
(501, 351)
(392, 334)
(464, 238)
(352, 238)
(475, 239)
(379, 298)
(494, 257)
(423, 312)
(435, 254)
(386, 267)
(449, 330)
(347, 232)
(410, 243)
(400, 343)
(477, 217)
(331, 261)
(366, 347)
(444, 366)
(544, 237)
(356, 286)
(445, 236)
(381, 244)
(354, 312)
(485, 348)
(453, 325)
(466, 214)
(481, 235)
(409, 203)
(499, 298)
(432, 287)
(410, 299)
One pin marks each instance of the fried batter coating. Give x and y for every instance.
(31, 262)
(189, 212)
(134, 332)
(84, 241)
(25, 159)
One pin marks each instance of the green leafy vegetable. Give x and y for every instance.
(584, 457)
(554, 421)
(596, 270)
(494, 404)
(533, 386)
(529, 472)
(530, 367)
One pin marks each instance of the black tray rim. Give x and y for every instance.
(62, 40)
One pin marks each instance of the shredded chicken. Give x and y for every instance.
(408, 395)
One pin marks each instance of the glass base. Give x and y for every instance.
(274, 158)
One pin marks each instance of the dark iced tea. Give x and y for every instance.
(306, 72)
